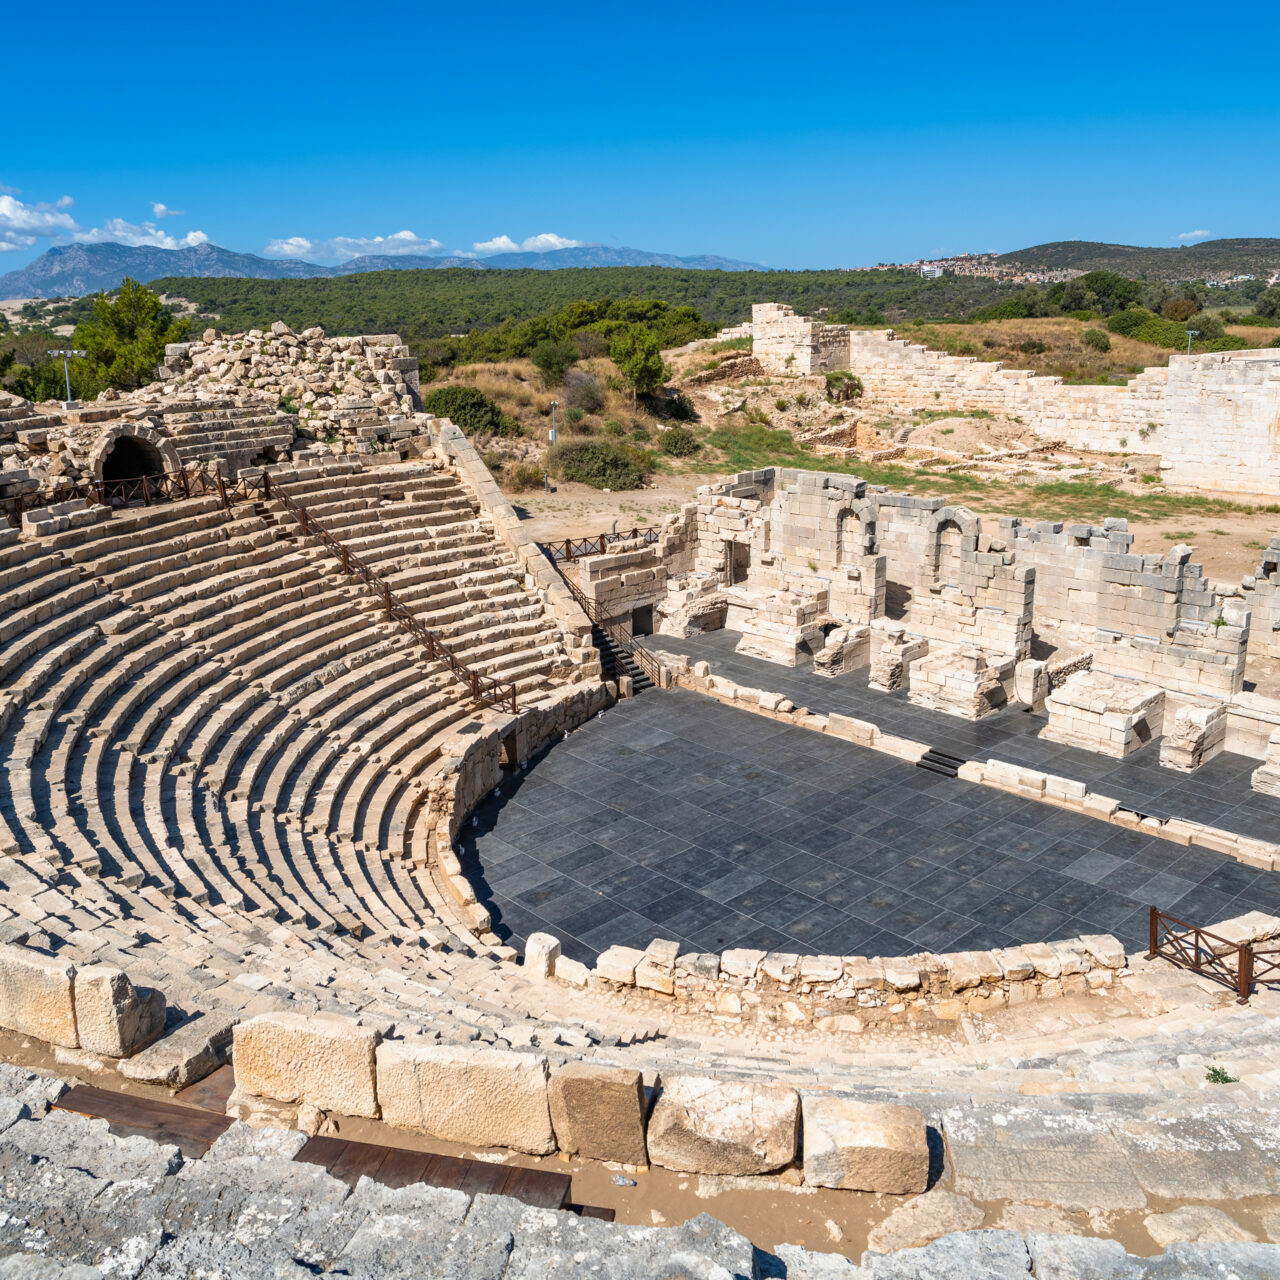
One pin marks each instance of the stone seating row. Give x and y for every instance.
(423, 532)
(109, 770)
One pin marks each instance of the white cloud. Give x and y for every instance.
(163, 211)
(21, 225)
(118, 231)
(9, 191)
(1190, 237)
(344, 247)
(293, 247)
(542, 243)
(64, 202)
(499, 244)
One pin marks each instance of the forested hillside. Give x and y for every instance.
(1211, 259)
(431, 304)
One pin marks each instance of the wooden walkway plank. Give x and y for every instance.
(189, 1128)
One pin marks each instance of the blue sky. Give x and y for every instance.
(836, 135)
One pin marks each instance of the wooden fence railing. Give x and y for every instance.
(596, 545)
(1238, 965)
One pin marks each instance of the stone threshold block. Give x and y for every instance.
(321, 1060)
(599, 1112)
(1109, 714)
(479, 1097)
(864, 1146)
(732, 1128)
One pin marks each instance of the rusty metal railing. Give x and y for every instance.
(486, 690)
(616, 633)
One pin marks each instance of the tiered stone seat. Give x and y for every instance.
(238, 435)
(422, 532)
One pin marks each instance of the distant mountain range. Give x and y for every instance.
(1211, 259)
(76, 269)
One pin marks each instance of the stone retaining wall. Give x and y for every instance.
(95, 1008)
(306, 1071)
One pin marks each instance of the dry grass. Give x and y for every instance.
(1066, 355)
(1254, 335)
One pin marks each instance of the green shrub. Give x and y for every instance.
(553, 359)
(679, 442)
(680, 408)
(612, 427)
(1096, 339)
(731, 344)
(599, 463)
(492, 460)
(1267, 322)
(1033, 347)
(1179, 310)
(640, 433)
(470, 410)
(1144, 326)
(782, 404)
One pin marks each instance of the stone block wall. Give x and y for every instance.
(1213, 418)
(783, 342)
(1155, 618)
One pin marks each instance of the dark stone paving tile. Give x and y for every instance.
(674, 816)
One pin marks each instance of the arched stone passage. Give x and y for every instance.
(130, 451)
(130, 459)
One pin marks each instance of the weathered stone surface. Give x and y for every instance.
(1074, 1162)
(31, 1266)
(481, 1097)
(1195, 1222)
(925, 1218)
(113, 1017)
(324, 1060)
(973, 1255)
(1063, 1257)
(1038, 1218)
(242, 1142)
(545, 1243)
(67, 1139)
(699, 1125)
(864, 1146)
(37, 996)
(599, 1112)
(187, 1054)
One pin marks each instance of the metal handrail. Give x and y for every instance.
(486, 690)
(1191, 947)
(625, 641)
(596, 545)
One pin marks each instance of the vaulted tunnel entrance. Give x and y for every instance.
(130, 459)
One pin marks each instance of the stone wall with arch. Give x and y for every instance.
(146, 437)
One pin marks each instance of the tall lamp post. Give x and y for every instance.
(66, 370)
(1191, 333)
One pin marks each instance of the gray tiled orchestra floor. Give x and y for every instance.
(674, 816)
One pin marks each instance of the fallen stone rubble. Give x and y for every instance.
(78, 1203)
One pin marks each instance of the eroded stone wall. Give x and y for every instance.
(1213, 418)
